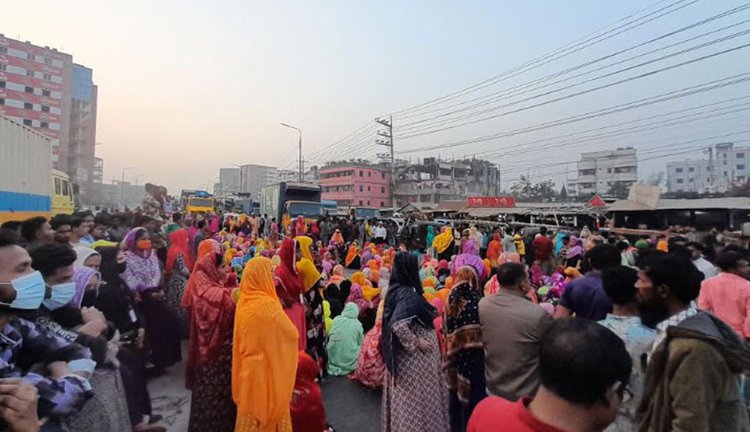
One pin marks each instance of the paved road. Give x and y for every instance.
(349, 406)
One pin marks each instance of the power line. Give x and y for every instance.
(515, 91)
(556, 54)
(583, 92)
(672, 95)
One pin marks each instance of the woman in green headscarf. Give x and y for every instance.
(345, 341)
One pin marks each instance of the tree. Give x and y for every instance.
(545, 189)
(563, 194)
(619, 190)
(523, 188)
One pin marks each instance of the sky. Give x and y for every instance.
(188, 87)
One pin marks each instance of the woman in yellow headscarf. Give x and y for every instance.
(368, 292)
(315, 326)
(264, 356)
(305, 243)
(443, 244)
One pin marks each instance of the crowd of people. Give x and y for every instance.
(480, 331)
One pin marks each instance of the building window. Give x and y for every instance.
(26, 122)
(30, 56)
(741, 166)
(2, 101)
(368, 188)
(28, 106)
(46, 93)
(678, 170)
(2, 84)
(361, 174)
(3, 50)
(740, 155)
(368, 202)
(29, 73)
(47, 77)
(360, 202)
(47, 61)
(28, 89)
(741, 179)
(382, 175)
(382, 190)
(382, 204)
(369, 173)
(45, 108)
(691, 169)
(361, 189)
(45, 125)
(680, 181)
(609, 170)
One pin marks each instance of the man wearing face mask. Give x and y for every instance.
(63, 387)
(693, 375)
(55, 263)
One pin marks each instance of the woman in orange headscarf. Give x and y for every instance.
(178, 268)
(289, 288)
(353, 260)
(264, 357)
(368, 292)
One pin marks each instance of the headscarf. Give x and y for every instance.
(357, 297)
(463, 335)
(642, 245)
(470, 247)
(286, 273)
(81, 277)
(345, 341)
(404, 303)
(351, 254)
(494, 248)
(178, 245)
(430, 235)
(82, 254)
(308, 413)
(211, 315)
(206, 247)
(304, 243)
(338, 274)
(575, 248)
(337, 237)
(264, 352)
(103, 243)
(471, 260)
(309, 274)
(443, 240)
(142, 271)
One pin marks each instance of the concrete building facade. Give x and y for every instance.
(602, 171)
(255, 177)
(436, 180)
(724, 167)
(356, 184)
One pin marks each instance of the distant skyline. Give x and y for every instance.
(187, 88)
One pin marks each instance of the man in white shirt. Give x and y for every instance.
(380, 233)
(702, 264)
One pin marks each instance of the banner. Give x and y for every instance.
(500, 201)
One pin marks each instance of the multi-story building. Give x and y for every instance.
(82, 143)
(255, 177)
(229, 181)
(42, 88)
(437, 180)
(602, 172)
(356, 184)
(98, 174)
(725, 166)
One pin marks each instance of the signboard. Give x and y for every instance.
(500, 201)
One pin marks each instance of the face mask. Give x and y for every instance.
(61, 295)
(30, 291)
(143, 244)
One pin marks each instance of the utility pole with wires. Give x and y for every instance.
(389, 143)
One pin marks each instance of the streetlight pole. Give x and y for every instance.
(301, 162)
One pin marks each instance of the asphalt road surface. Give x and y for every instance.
(351, 407)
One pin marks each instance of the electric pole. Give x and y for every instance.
(389, 124)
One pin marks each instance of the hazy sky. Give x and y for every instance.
(187, 87)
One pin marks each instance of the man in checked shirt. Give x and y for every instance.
(62, 379)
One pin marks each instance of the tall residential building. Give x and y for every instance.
(437, 180)
(229, 181)
(356, 184)
(42, 88)
(725, 166)
(604, 171)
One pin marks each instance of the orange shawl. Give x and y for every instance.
(351, 255)
(264, 355)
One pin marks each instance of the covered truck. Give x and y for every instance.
(287, 200)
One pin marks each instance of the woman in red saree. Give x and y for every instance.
(289, 288)
(177, 270)
(208, 370)
(493, 250)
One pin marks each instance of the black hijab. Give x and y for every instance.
(404, 302)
